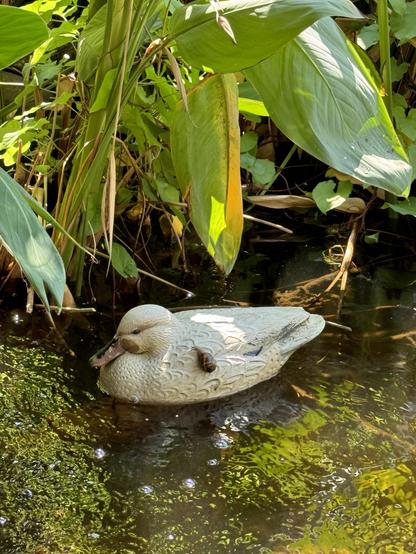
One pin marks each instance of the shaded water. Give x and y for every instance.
(319, 459)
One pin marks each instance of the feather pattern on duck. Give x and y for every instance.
(198, 355)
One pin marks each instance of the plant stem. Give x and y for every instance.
(385, 64)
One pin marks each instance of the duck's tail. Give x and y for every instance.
(299, 332)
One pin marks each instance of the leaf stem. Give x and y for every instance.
(385, 64)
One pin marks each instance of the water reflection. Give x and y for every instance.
(320, 459)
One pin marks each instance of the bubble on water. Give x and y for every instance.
(189, 483)
(146, 489)
(100, 453)
(3, 520)
(222, 441)
(94, 535)
(213, 462)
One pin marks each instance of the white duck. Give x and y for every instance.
(198, 355)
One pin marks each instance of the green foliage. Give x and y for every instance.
(260, 27)
(328, 195)
(26, 239)
(205, 144)
(325, 100)
(112, 128)
(20, 33)
(122, 262)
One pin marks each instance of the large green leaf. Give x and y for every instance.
(320, 93)
(205, 142)
(259, 28)
(20, 33)
(28, 242)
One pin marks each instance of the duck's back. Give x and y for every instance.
(246, 330)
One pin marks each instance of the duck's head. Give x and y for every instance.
(146, 329)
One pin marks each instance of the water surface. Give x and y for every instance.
(319, 459)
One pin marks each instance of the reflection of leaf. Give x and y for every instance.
(394, 279)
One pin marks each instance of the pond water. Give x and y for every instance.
(319, 459)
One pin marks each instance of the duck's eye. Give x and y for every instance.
(135, 332)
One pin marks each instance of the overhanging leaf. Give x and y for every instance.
(323, 97)
(20, 33)
(259, 27)
(205, 144)
(404, 207)
(28, 242)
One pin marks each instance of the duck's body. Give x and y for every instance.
(198, 355)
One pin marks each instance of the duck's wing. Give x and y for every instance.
(247, 331)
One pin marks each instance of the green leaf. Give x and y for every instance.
(122, 262)
(263, 171)
(368, 36)
(406, 123)
(205, 142)
(20, 33)
(372, 238)
(248, 141)
(90, 45)
(398, 70)
(323, 97)
(255, 107)
(104, 92)
(403, 25)
(28, 242)
(398, 6)
(259, 27)
(325, 196)
(403, 207)
(167, 192)
(249, 101)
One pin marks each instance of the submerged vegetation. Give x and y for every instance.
(126, 120)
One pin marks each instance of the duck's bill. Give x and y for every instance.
(107, 353)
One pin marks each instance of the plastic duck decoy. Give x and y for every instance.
(198, 355)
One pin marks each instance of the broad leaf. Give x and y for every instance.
(20, 33)
(325, 196)
(27, 241)
(403, 207)
(323, 97)
(403, 25)
(122, 262)
(206, 153)
(259, 28)
(263, 171)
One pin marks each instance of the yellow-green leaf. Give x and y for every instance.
(205, 143)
